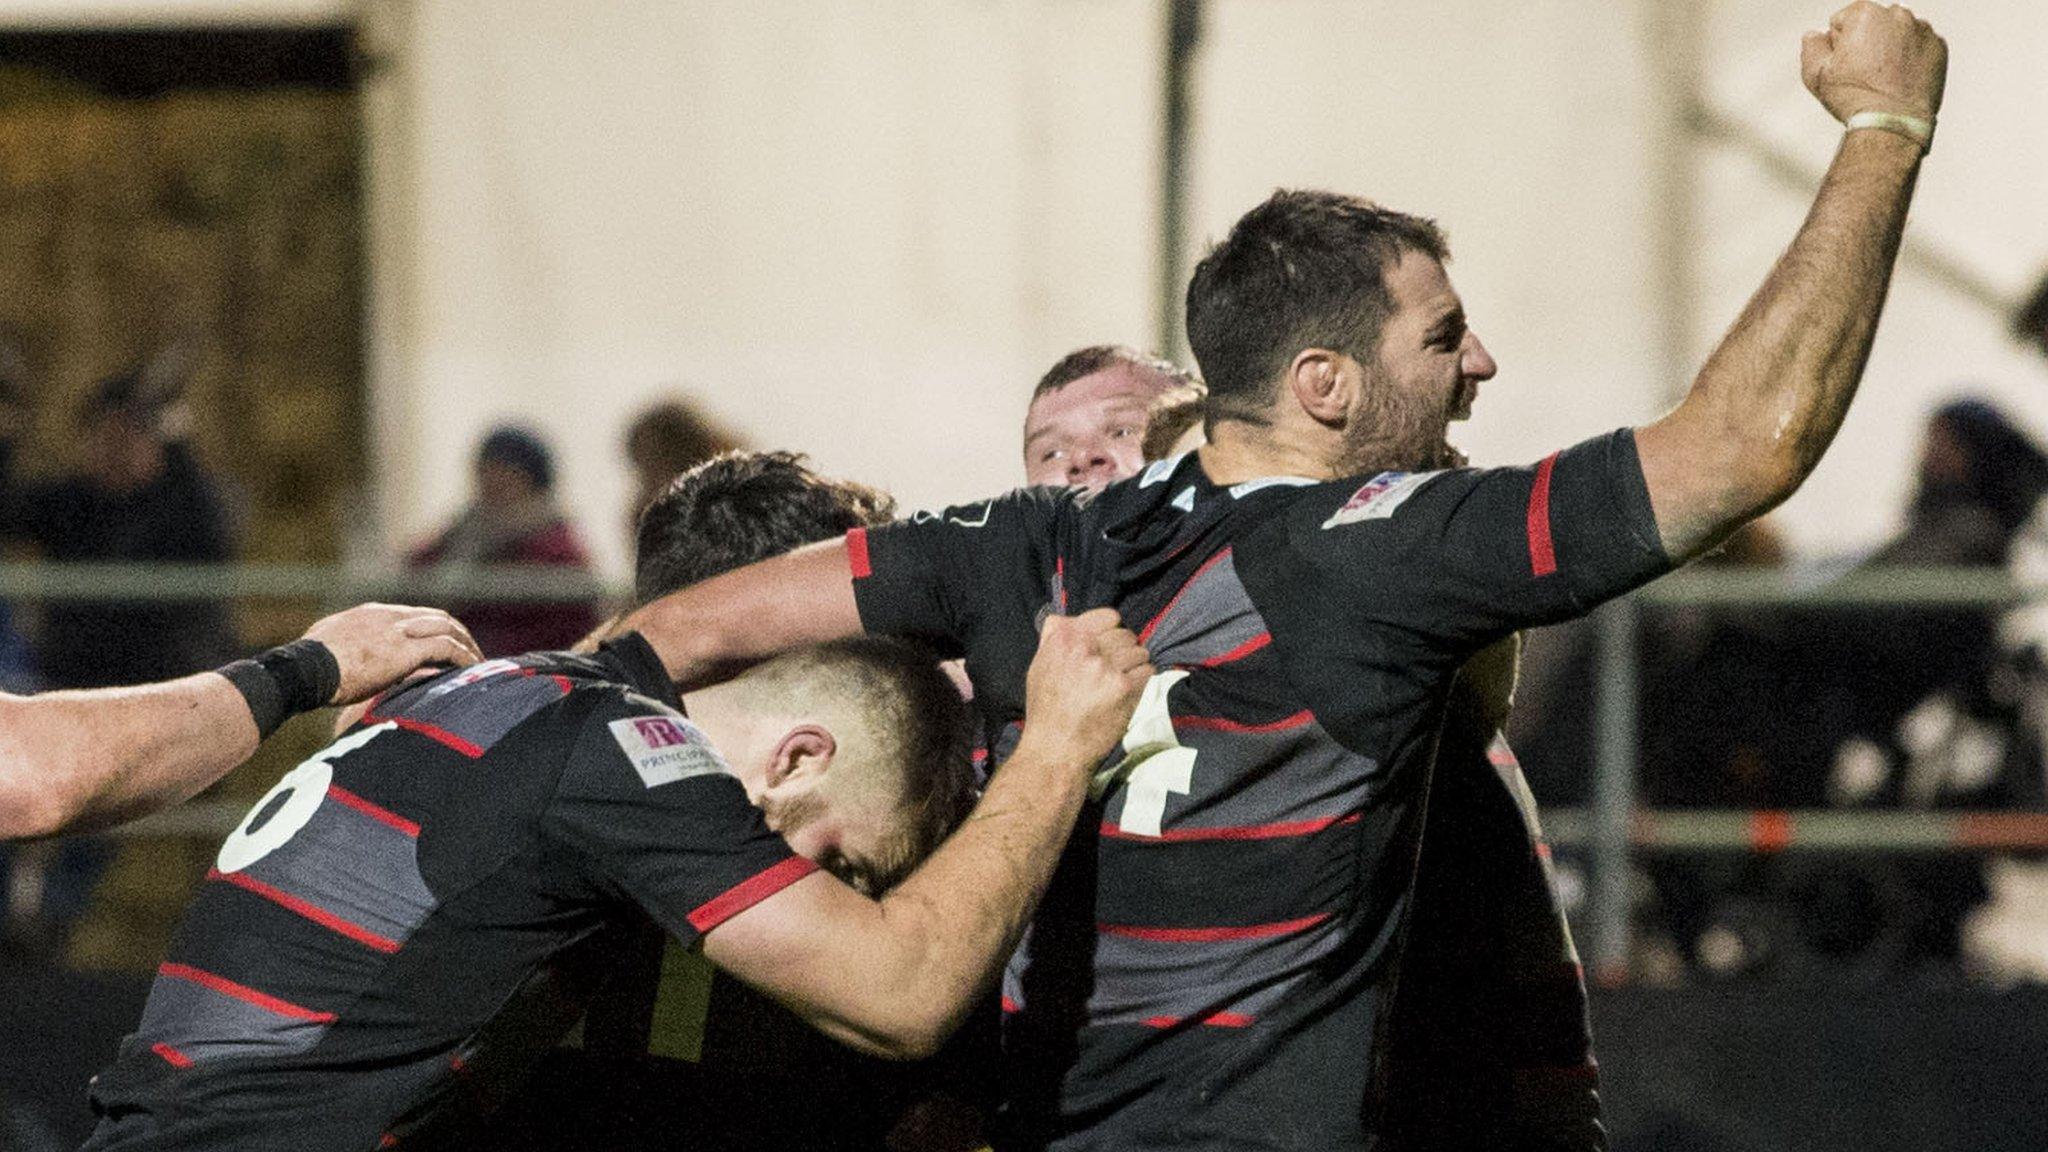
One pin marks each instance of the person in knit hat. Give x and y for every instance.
(514, 519)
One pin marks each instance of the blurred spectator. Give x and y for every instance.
(664, 442)
(1979, 478)
(1942, 700)
(513, 519)
(138, 496)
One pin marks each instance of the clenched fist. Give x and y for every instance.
(1875, 58)
(1082, 687)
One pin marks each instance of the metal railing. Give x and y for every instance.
(326, 585)
(1611, 829)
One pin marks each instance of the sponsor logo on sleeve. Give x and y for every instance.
(665, 749)
(1380, 497)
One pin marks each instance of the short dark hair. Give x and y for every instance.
(2030, 320)
(1305, 269)
(739, 508)
(909, 715)
(1096, 357)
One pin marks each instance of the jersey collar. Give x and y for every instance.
(636, 662)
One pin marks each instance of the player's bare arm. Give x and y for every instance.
(72, 761)
(896, 976)
(1773, 394)
(805, 597)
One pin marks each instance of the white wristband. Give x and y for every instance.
(1913, 128)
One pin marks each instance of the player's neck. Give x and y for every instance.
(1238, 451)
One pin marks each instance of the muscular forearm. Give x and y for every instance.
(77, 760)
(895, 977)
(1774, 393)
(967, 906)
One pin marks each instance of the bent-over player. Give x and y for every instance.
(395, 933)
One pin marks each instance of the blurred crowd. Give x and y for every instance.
(1890, 708)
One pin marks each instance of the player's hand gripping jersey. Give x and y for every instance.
(1211, 953)
(395, 932)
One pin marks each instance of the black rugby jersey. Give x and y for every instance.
(1206, 969)
(393, 935)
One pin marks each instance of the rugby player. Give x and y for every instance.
(1489, 1044)
(398, 930)
(668, 1043)
(81, 760)
(1226, 925)
(1087, 417)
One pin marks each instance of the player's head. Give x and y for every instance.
(1087, 415)
(739, 508)
(855, 751)
(1330, 317)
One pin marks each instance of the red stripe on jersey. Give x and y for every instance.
(564, 683)
(1210, 935)
(749, 892)
(432, 732)
(1213, 1020)
(171, 1056)
(1010, 1005)
(1223, 724)
(1145, 636)
(1542, 553)
(1241, 832)
(242, 992)
(857, 553)
(1240, 652)
(1059, 581)
(1770, 831)
(1542, 850)
(313, 912)
(381, 815)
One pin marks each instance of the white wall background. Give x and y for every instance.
(861, 228)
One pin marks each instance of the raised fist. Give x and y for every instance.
(1875, 58)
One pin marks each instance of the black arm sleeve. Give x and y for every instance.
(646, 804)
(934, 576)
(1472, 554)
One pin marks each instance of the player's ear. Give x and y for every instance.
(1320, 380)
(802, 756)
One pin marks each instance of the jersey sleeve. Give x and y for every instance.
(932, 576)
(648, 809)
(1471, 554)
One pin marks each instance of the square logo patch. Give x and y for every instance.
(1380, 496)
(665, 749)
